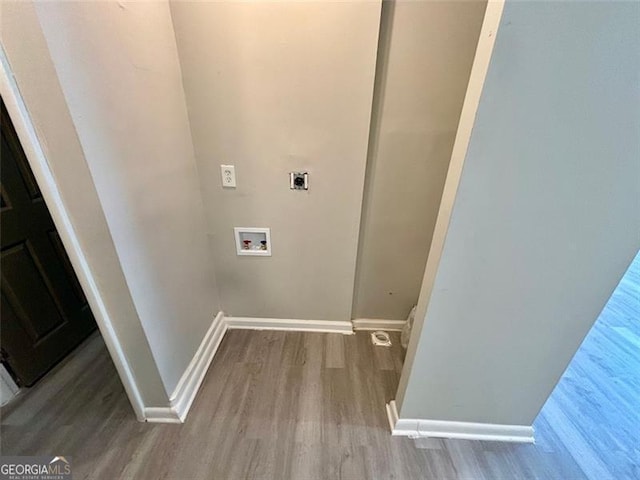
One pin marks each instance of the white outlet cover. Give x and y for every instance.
(228, 174)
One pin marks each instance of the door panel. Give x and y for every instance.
(44, 312)
(23, 280)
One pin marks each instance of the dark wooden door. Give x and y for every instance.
(44, 313)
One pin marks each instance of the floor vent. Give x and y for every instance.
(380, 338)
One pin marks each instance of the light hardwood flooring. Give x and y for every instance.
(278, 405)
(594, 411)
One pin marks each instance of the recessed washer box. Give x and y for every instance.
(253, 241)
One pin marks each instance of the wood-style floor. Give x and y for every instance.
(278, 405)
(594, 411)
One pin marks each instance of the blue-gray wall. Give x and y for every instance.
(547, 215)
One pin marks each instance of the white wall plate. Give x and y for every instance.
(253, 241)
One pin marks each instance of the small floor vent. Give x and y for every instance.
(380, 338)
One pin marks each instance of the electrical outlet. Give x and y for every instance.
(228, 173)
(299, 181)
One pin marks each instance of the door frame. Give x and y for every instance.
(51, 194)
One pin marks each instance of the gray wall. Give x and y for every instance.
(274, 87)
(546, 219)
(425, 55)
(118, 67)
(27, 53)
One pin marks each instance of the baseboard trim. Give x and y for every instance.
(189, 384)
(161, 415)
(378, 324)
(185, 392)
(420, 428)
(288, 324)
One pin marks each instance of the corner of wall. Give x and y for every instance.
(38, 109)
(479, 69)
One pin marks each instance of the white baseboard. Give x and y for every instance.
(378, 324)
(287, 324)
(420, 428)
(161, 415)
(187, 388)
